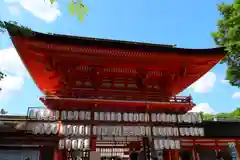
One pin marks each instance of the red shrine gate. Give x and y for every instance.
(121, 93)
(116, 133)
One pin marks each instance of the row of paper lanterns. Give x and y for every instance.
(66, 130)
(73, 144)
(160, 144)
(80, 130)
(45, 114)
(175, 131)
(83, 144)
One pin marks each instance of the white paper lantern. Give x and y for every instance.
(180, 118)
(87, 130)
(141, 117)
(36, 130)
(170, 131)
(75, 130)
(69, 129)
(88, 116)
(101, 115)
(161, 144)
(166, 144)
(125, 131)
(82, 115)
(125, 117)
(63, 115)
(113, 116)
(175, 131)
(143, 130)
(199, 118)
(74, 144)
(187, 133)
(80, 143)
(136, 117)
(201, 131)
(75, 115)
(54, 128)
(104, 130)
(42, 129)
(163, 117)
(130, 117)
(96, 116)
(46, 114)
(69, 115)
(177, 144)
(107, 116)
(156, 144)
(47, 128)
(137, 131)
(56, 115)
(173, 118)
(86, 144)
(81, 130)
(168, 117)
(32, 114)
(68, 144)
(65, 130)
(155, 131)
(182, 131)
(154, 117)
(38, 115)
(146, 117)
(117, 131)
(119, 117)
(191, 131)
(195, 130)
(172, 144)
(161, 131)
(148, 131)
(61, 144)
(160, 117)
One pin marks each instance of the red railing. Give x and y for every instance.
(129, 97)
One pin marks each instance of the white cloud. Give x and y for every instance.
(224, 81)
(205, 83)
(9, 85)
(11, 65)
(236, 95)
(14, 10)
(203, 107)
(42, 9)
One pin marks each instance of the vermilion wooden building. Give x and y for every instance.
(97, 75)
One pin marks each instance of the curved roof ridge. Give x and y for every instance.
(15, 30)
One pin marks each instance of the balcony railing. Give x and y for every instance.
(132, 97)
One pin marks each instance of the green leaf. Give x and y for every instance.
(81, 17)
(52, 1)
(85, 10)
(71, 8)
(79, 9)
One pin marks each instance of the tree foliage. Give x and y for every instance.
(75, 8)
(228, 36)
(2, 75)
(3, 112)
(232, 115)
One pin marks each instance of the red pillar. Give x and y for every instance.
(167, 155)
(57, 155)
(175, 154)
(93, 143)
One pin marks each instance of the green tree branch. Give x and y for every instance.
(228, 36)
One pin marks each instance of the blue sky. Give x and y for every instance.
(186, 23)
